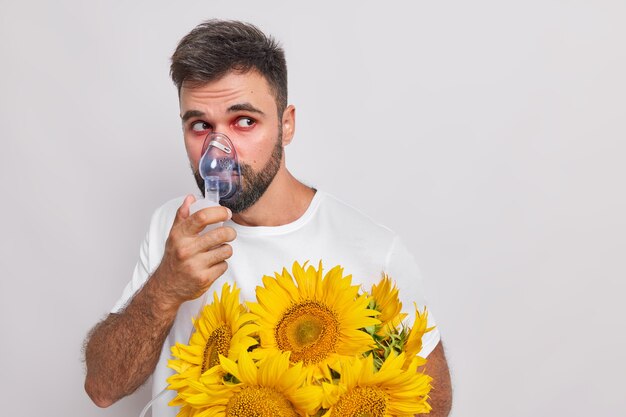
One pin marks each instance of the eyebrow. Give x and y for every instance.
(244, 107)
(232, 109)
(191, 113)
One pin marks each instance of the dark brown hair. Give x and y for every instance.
(216, 47)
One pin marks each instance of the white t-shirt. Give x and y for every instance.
(329, 230)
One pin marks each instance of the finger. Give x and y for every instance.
(215, 238)
(219, 254)
(183, 211)
(213, 257)
(215, 272)
(210, 215)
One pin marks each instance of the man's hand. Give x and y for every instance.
(190, 262)
(122, 350)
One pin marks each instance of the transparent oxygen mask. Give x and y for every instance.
(219, 168)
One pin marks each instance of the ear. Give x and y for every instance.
(289, 124)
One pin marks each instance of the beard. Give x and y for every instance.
(253, 184)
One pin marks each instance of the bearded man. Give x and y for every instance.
(232, 79)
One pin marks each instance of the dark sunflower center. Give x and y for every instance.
(362, 402)
(259, 402)
(309, 330)
(217, 344)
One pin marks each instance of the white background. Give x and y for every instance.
(489, 134)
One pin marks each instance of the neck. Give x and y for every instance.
(284, 201)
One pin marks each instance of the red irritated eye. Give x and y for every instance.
(245, 122)
(200, 126)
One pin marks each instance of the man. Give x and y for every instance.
(232, 79)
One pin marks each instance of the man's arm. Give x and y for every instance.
(441, 392)
(122, 350)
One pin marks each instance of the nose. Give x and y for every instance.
(219, 141)
(226, 130)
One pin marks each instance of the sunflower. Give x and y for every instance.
(385, 296)
(223, 328)
(270, 388)
(392, 391)
(317, 318)
(413, 344)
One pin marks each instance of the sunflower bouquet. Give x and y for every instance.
(312, 344)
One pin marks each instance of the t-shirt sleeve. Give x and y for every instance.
(143, 269)
(402, 268)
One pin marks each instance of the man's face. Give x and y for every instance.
(242, 107)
